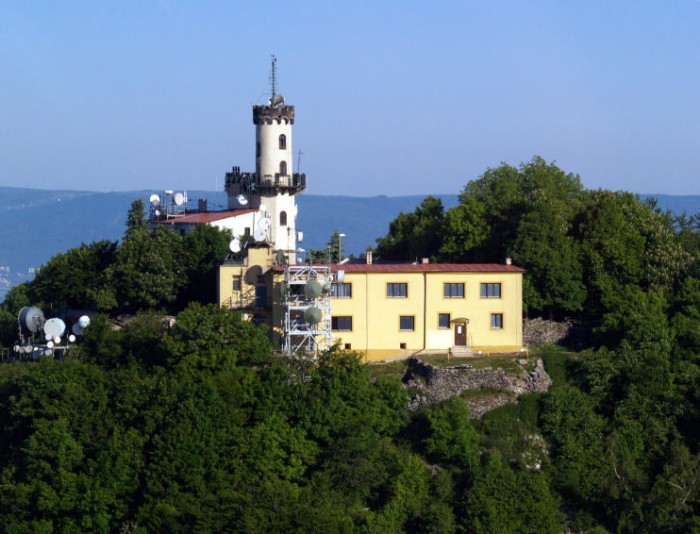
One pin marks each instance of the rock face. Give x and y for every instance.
(437, 384)
(541, 332)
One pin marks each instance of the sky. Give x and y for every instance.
(392, 97)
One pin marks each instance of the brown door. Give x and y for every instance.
(460, 335)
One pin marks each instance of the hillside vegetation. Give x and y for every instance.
(201, 427)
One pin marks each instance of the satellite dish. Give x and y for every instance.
(251, 275)
(300, 236)
(168, 191)
(84, 321)
(77, 329)
(179, 199)
(54, 327)
(312, 315)
(71, 338)
(157, 213)
(49, 344)
(263, 208)
(31, 318)
(154, 200)
(313, 289)
(327, 287)
(242, 199)
(340, 276)
(57, 340)
(234, 246)
(264, 224)
(259, 234)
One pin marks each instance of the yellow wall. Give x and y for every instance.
(375, 317)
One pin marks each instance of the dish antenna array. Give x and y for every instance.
(305, 295)
(39, 336)
(171, 205)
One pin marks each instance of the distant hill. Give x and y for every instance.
(37, 224)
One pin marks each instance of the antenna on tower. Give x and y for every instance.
(273, 76)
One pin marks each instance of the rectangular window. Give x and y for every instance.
(341, 291)
(443, 320)
(236, 283)
(497, 320)
(394, 290)
(341, 323)
(260, 296)
(491, 291)
(407, 322)
(453, 291)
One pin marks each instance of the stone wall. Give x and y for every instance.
(541, 332)
(436, 384)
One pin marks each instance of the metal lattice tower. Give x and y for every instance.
(300, 337)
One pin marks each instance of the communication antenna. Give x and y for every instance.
(179, 199)
(299, 154)
(154, 200)
(234, 246)
(273, 77)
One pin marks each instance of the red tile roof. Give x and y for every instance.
(423, 267)
(427, 267)
(203, 217)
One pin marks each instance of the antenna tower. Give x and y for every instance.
(273, 76)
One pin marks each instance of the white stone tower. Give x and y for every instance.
(273, 184)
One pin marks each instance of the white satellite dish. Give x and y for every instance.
(234, 246)
(54, 327)
(242, 199)
(84, 321)
(168, 191)
(264, 224)
(157, 213)
(71, 338)
(340, 276)
(154, 200)
(179, 199)
(300, 236)
(259, 234)
(263, 208)
(49, 344)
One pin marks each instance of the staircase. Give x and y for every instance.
(461, 352)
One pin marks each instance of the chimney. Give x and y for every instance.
(425, 260)
(202, 205)
(369, 257)
(509, 261)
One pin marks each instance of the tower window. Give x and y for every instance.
(283, 168)
(283, 218)
(283, 142)
(257, 149)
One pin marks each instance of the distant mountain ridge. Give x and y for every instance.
(37, 223)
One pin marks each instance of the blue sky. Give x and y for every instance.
(391, 98)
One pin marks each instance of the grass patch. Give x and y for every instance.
(394, 369)
(557, 362)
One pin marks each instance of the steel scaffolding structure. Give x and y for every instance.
(300, 336)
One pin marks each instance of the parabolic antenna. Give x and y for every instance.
(179, 199)
(31, 318)
(168, 191)
(313, 289)
(84, 321)
(340, 276)
(71, 338)
(327, 287)
(300, 236)
(234, 246)
(54, 327)
(77, 329)
(259, 234)
(312, 315)
(157, 212)
(264, 224)
(154, 200)
(242, 199)
(251, 275)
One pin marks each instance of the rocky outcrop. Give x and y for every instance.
(541, 332)
(436, 384)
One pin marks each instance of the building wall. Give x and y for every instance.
(376, 317)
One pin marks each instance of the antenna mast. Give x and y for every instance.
(273, 77)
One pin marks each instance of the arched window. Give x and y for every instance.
(283, 168)
(283, 142)
(283, 218)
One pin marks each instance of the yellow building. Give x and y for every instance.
(391, 310)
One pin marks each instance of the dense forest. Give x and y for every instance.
(199, 426)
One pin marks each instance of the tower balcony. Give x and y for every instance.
(267, 184)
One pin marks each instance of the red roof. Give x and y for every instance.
(423, 267)
(203, 217)
(427, 267)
